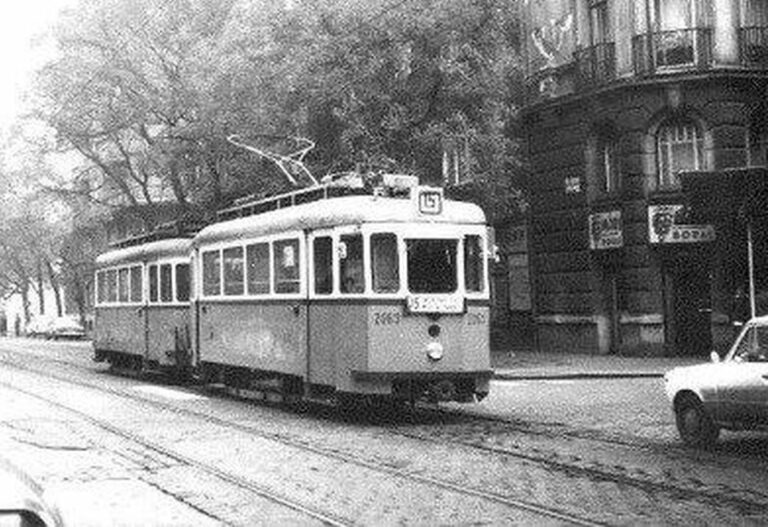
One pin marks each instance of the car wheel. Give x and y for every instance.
(694, 424)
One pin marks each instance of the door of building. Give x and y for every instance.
(688, 308)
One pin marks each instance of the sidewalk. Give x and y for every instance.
(526, 365)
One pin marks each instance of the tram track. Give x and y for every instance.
(441, 415)
(207, 468)
(544, 512)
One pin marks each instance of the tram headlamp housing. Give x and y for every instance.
(434, 351)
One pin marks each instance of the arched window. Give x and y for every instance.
(757, 145)
(679, 147)
(607, 164)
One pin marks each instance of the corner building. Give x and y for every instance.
(646, 127)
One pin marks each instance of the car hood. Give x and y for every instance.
(696, 378)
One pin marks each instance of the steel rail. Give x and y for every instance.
(333, 454)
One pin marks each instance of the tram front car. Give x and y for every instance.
(349, 296)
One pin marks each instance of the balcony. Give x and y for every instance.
(595, 65)
(670, 51)
(753, 47)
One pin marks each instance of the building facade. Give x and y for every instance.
(627, 100)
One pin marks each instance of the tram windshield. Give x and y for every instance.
(432, 265)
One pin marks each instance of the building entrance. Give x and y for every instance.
(688, 304)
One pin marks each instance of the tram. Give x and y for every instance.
(346, 296)
(356, 287)
(142, 306)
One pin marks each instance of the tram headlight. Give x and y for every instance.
(434, 351)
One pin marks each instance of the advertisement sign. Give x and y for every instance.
(605, 230)
(669, 224)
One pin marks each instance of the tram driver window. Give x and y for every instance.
(112, 285)
(233, 271)
(257, 263)
(323, 259)
(182, 282)
(431, 266)
(137, 287)
(211, 273)
(384, 262)
(351, 264)
(473, 264)
(101, 283)
(153, 289)
(122, 285)
(166, 283)
(287, 266)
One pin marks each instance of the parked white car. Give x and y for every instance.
(731, 393)
(23, 502)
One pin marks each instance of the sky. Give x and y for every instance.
(21, 49)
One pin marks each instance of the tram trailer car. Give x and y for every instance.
(345, 297)
(142, 307)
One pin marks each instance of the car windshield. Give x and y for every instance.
(753, 346)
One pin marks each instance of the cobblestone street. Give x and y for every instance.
(101, 444)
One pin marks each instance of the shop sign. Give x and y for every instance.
(605, 230)
(572, 185)
(668, 224)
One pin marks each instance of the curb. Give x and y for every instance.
(574, 376)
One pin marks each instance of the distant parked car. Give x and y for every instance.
(731, 393)
(23, 502)
(39, 326)
(65, 328)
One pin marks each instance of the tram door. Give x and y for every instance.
(688, 304)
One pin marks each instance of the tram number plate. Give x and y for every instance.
(435, 304)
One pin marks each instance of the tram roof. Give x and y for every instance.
(349, 210)
(168, 248)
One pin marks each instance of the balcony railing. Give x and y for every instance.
(753, 46)
(672, 51)
(595, 65)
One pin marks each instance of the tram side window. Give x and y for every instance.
(101, 283)
(112, 285)
(431, 265)
(257, 263)
(122, 285)
(211, 273)
(136, 284)
(166, 283)
(153, 289)
(182, 282)
(287, 266)
(384, 262)
(351, 264)
(473, 264)
(233, 271)
(323, 259)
